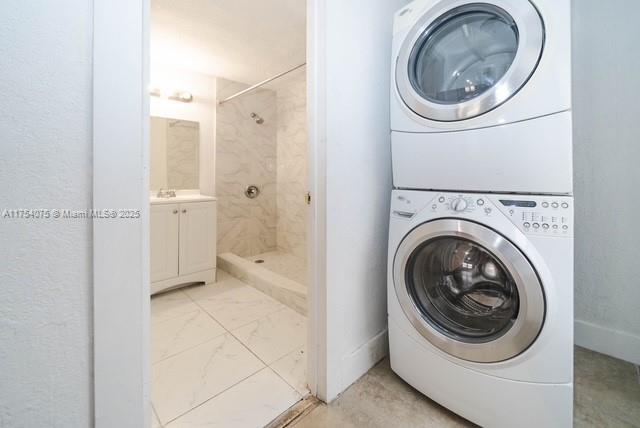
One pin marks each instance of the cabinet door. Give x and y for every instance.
(197, 237)
(164, 241)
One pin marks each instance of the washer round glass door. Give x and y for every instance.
(463, 59)
(468, 290)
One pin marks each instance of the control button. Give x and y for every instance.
(565, 205)
(536, 225)
(511, 212)
(526, 224)
(555, 205)
(565, 227)
(441, 199)
(545, 205)
(480, 202)
(459, 205)
(434, 207)
(545, 226)
(555, 226)
(488, 210)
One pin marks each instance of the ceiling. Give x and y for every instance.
(243, 40)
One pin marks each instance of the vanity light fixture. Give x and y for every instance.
(182, 96)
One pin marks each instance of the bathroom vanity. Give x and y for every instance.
(183, 240)
(183, 222)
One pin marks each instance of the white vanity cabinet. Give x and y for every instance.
(183, 242)
(165, 223)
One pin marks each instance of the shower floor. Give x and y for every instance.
(285, 264)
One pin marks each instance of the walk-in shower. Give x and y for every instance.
(268, 223)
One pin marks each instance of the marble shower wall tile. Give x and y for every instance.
(246, 154)
(292, 164)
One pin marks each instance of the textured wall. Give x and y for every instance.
(292, 163)
(246, 155)
(607, 150)
(45, 265)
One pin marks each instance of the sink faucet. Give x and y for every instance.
(169, 193)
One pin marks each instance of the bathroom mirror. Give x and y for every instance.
(175, 154)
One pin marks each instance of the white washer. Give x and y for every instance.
(481, 96)
(480, 304)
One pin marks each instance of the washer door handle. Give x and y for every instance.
(404, 214)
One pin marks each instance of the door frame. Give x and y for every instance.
(317, 345)
(121, 259)
(121, 246)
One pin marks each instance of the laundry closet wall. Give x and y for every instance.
(606, 87)
(350, 133)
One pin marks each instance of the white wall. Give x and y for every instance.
(45, 265)
(201, 110)
(606, 87)
(350, 61)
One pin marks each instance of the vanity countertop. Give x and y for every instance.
(181, 196)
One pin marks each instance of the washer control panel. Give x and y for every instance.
(533, 215)
(539, 215)
(461, 204)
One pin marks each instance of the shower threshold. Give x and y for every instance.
(269, 277)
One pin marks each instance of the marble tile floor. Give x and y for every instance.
(224, 355)
(607, 394)
(285, 264)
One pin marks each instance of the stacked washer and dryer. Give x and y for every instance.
(480, 295)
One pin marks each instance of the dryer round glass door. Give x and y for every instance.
(463, 59)
(468, 290)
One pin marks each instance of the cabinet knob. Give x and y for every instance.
(184, 210)
(175, 211)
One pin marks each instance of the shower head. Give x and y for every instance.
(259, 120)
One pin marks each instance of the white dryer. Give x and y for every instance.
(481, 96)
(480, 304)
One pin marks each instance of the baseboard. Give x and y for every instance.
(360, 361)
(618, 344)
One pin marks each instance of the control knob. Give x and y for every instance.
(459, 205)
